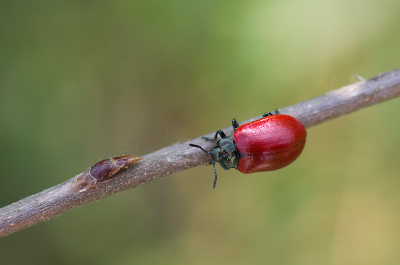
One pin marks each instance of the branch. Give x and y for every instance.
(68, 195)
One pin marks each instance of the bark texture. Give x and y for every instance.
(76, 192)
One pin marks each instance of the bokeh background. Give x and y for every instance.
(82, 81)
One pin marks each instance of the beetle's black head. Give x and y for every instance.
(225, 153)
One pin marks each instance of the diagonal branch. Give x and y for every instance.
(66, 196)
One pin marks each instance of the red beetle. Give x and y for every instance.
(270, 143)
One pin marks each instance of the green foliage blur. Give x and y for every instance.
(82, 81)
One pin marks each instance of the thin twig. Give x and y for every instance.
(68, 195)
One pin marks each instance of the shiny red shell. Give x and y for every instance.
(269, 143)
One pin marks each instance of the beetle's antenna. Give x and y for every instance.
(213, 163)
(198, 146)
(215, 173)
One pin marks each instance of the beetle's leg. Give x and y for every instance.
(219, 132)
(235, 125)
(215, 173)
(276, 111)
(266, 114)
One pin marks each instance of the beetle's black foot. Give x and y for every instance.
(207, 139)
(266, 114)
(235, 125)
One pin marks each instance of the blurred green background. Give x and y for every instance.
(82, 81)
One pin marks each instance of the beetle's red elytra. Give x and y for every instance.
(107, 168)
(267, 144)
